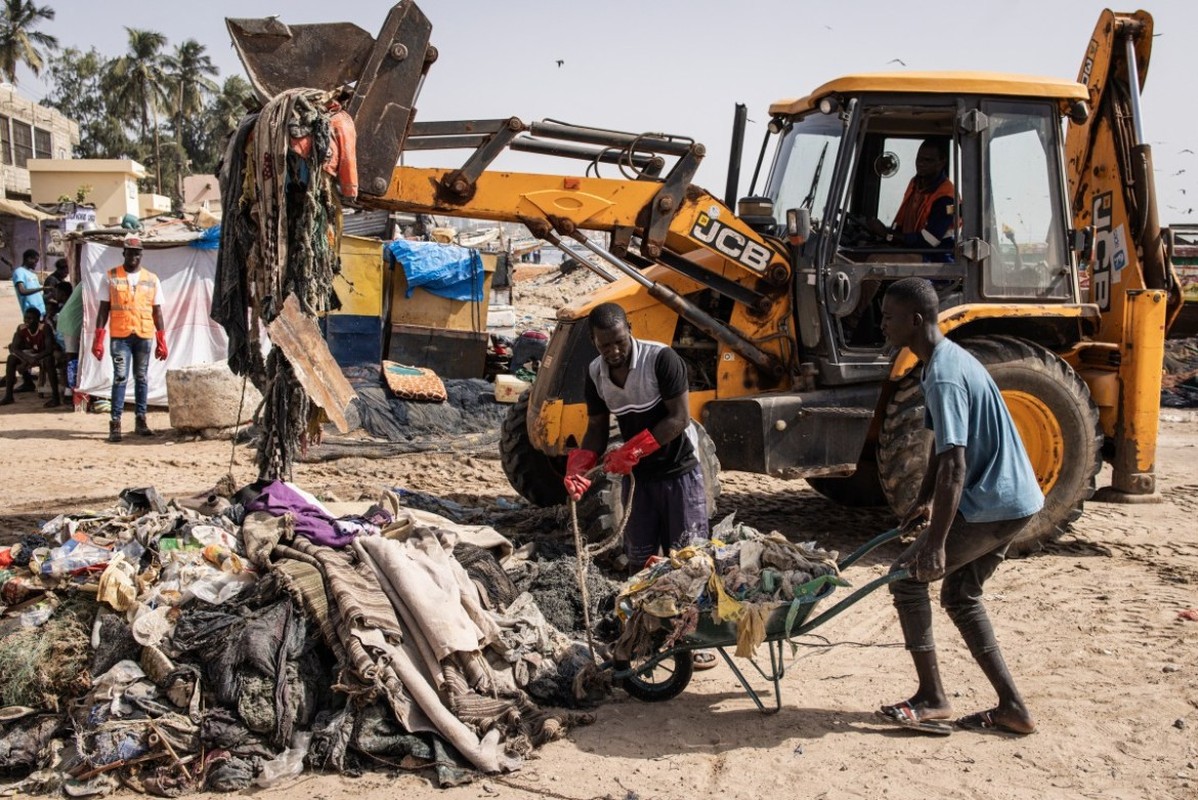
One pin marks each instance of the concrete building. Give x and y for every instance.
(110, 184)
(151, 205)
(201, 192)
(29, 131)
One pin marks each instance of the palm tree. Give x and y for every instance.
(227, 108)
(19, 41)
(139, 86)
(187, 72)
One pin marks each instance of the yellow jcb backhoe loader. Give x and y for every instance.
(1054, 274)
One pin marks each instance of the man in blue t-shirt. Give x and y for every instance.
(29, 289)
(978, 494)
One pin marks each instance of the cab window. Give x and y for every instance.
(1024, 222)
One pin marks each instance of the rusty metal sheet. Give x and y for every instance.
(299, 338)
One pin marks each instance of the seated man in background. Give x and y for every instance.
(925, 217)
(925, 221)
(32, 346)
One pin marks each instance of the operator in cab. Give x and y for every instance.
(925, 217)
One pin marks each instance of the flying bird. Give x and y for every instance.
(1187, 150)
(1175, 174)
(560, 62)
(897, 61)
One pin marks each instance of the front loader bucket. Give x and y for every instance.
(385, 73)
(278, 57)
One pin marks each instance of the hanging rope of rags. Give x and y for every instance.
(289, 218)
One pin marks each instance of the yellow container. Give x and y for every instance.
(360, 284)
(427, 310)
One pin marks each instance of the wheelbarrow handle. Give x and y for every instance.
(860, 552)
(876, 583)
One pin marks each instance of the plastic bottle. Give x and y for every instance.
(222, 557)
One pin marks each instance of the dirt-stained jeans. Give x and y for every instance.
(124, 350)
(972, 551)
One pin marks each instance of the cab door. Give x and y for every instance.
(860, 262)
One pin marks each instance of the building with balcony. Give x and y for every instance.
(29, 131)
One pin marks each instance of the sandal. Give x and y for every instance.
(704, 659)
(986, 722)
(904, 715)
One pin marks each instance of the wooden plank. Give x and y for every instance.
(299, 338)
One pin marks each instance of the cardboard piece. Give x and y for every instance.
(508, 388)
(299, 338)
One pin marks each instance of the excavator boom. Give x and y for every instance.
(1109, 169)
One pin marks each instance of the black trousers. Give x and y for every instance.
(972, 551)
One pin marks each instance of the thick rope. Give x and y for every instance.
(584, 554)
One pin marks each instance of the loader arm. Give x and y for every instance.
(655, 216)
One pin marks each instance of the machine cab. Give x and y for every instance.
(957, 178)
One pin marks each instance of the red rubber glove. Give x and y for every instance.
(160, 350)
(98, 343)
(578, 463)
(621, 460)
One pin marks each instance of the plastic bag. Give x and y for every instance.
(288, 764)
(39, 615)
(210, 534)
(217, 587)
(75, 555)
(118, 587)
(151, 626)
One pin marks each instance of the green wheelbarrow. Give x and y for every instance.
(664, 674)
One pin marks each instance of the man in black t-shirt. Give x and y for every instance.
(645, 385)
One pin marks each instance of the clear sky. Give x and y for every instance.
(678, 66)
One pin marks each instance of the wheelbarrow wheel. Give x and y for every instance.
(665, 681)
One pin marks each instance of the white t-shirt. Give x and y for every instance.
(133, 278)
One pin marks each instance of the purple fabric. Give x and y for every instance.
(313, 524)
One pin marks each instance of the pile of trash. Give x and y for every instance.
(740, 575)
(233, 639)
(1179, 388)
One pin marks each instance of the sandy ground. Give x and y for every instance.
(1090, 629)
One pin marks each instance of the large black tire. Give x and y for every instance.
(862, 489)
(602, 510)
(535, 476)
(665, 681)
(1052, 409)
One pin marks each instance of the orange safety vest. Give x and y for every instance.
(131, 308)
(913, 212)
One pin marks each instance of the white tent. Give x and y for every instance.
(186, 274)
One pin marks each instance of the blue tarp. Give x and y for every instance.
(446, 270)
(209, 239)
